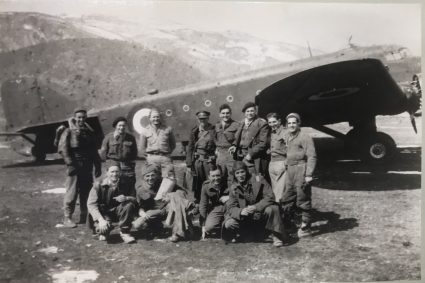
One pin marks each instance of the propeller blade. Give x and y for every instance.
(413, 121)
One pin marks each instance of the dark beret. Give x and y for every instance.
(248, 105)
(117, 120)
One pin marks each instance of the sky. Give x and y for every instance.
(325, 26)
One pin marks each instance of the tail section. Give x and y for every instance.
(28, 102)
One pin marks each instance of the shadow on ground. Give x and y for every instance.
(331, 222)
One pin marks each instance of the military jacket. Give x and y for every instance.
(225, 136)
(200, 144)
(123, 148)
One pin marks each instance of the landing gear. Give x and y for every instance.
(372, 147)
(39, 154)
(377, 148)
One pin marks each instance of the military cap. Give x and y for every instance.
(80, 109)
(203, 114)
(294, 115)
(149, 168)
(117, 120)
(237, 165)
(110, 162)
(248, 105)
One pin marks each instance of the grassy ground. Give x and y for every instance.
(366, 228)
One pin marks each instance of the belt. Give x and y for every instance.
(158, 153)
(295, 162)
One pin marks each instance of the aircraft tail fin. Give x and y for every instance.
(27, 102)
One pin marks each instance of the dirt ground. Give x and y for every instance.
(366, 227)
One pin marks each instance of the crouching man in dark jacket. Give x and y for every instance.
(251, 208)
(109, 201)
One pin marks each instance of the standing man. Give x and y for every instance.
(250, 144)
(120, 147)
(251, 208)
(109, 201)
(277, 165)
(214, 196)
(200, 152)
(301, 162)
(225, 132)
(77, 146)
(157, 142)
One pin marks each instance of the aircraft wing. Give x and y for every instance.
(344, 91)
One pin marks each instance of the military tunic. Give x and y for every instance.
(301, 162)
(211, 209)
(158, 144)
(277, 165)
(123, 150)
(77, 145)
(252, 138)
(266, 215)
(224, 139)
(200, 156)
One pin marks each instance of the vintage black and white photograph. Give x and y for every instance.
(210, 141)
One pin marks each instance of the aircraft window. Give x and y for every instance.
(168, 112)
(207, 103)
(229, 98)
(186, 108)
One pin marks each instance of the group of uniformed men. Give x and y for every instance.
(231, 166)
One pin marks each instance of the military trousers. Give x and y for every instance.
(123, 213)
(202, 170)
(225, 161)
(297, 193)
(165, 162)
(277, 173)
(255, 224)
(78, 184)
(215, 219)
(128, 181)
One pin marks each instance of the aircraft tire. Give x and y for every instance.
(39, 155)
(377, 148)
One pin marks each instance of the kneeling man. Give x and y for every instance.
(214, 196)
(109, 201)
(251, 208)
(160, 199)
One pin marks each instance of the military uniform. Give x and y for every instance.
(266, 215)
(301, 162)
(174, 212)
(158, 144)
(78, 148)
(121, 149)
(200, 156)
(224, 139)
(211, 210)
(101, 204)
(277, 165)
(252, 138)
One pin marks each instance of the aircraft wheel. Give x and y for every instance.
(38, 154)
(378, 148)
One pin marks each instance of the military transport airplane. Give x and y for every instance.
(353, 85)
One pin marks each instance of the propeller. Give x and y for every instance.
(414, 97)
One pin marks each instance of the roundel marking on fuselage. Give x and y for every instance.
(207, 103)
(186, 108)
(334, 93)
(141, 119)
(229, 98)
